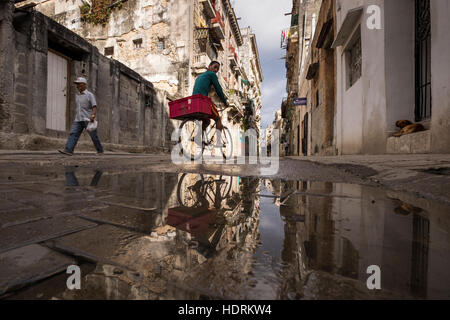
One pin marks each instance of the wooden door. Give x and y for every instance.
(57, 87)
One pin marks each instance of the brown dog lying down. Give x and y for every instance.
(407, 127)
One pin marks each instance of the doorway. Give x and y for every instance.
(57, 85)
(305, 135)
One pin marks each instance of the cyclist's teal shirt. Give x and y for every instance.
(205, 81)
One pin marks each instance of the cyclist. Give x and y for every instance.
(203, 85)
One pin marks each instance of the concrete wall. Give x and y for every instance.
(131, 113)
(361, 108)
(399, 51)
(440, 76)
(367, 113)
(6, 66)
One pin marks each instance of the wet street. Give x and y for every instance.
(155, 234)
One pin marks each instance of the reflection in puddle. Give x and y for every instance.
(72, 181)
(200, 236)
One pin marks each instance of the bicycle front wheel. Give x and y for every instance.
(191, 139)
(224, 143)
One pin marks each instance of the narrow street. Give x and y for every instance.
(140, 227)
(224, 150)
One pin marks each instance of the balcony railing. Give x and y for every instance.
(201, 61)
(218, 26)
(209, 7)
(233, 60)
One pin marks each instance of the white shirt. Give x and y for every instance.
(85, 101)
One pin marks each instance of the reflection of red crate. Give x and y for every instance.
(193, 220)
(196, 106)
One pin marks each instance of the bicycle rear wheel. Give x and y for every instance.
(191, 139)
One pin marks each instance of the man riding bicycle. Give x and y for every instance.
(203, 85)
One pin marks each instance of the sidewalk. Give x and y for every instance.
(388, 166)
(425, 175)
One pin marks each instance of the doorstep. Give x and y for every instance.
(414, 143)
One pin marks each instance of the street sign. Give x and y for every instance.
(300, 102)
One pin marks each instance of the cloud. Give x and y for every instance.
(266, 19)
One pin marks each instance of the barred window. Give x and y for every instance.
(137, 43)
(109, 51)
(161, 44)
(354, 59)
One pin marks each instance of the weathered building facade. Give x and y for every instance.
(298, 135)
(369, 65)
(321, 72)
(392, 66)
(252, 86)
(169, 43)
(39, 61)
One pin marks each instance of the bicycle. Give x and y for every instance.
(196, 190)
(195, 138)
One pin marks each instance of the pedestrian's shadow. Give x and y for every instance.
(72, 181)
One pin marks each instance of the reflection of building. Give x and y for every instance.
(215, 211)
(348, 228)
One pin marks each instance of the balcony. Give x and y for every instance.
(218, 26)
(206, 39)
(233, 60)
(235, 103)
(200, 63)
(209, 8)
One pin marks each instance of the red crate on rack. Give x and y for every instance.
(193, 220)
(196, 106)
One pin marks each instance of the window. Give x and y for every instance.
(423, 61)
(354, 59)
(109, 51)
(137, 43)
(161, 44)
(317, 98)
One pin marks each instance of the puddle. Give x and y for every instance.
(439, 171)
(200, 236)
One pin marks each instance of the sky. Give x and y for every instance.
(266, 19)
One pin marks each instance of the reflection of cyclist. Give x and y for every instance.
(197, 188)
(203, 85)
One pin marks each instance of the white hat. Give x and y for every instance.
(80, 80)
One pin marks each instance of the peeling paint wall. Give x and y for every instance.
(124, 97)
(148, 36)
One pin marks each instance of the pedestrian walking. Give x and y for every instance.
(86, 112)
